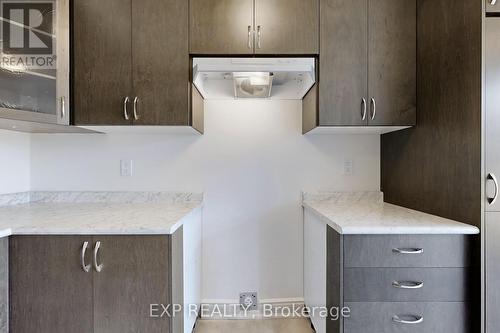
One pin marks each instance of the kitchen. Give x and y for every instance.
(320, 153)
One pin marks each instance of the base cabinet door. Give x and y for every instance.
(49, 290)
(133, 273)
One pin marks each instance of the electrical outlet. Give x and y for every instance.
(126, 168)
(248, 300)
(348, 167)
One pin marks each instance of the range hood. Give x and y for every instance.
(270, 78)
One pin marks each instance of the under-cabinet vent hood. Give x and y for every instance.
(271, 78)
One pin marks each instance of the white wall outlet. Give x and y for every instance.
(126, 168)
(248, 300)
(348, 167)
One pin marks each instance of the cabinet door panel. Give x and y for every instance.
(4, 285)
(49, 291)
(160, 61)
(136, 273)
(492, 271)
(392, 62)
(287, 26)
(102, 65)
(343, 62)
(221, 26)
(492, 113)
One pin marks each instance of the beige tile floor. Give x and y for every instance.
(254, 326)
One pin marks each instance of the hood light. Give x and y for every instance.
(252, 84)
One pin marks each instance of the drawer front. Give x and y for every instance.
(374, 317)
(408, 250)
(406, 284)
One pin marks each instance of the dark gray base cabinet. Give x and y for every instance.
(4, 285)
(391, 283)
(50, 291)
(403, 283)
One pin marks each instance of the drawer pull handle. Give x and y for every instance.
(408, 251)
(414, 320)
(407, 284)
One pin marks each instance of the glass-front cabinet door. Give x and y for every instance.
(34, 62)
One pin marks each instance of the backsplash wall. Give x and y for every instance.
(252, 164)
(14, 162)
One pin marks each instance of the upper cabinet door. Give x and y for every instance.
(102, 61)
(343, 65)
(221, 27)
(286, 26)
(492, 6)
(160, 59)
(392, 62)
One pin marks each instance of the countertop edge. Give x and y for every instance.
(131, 231)
(383, 230)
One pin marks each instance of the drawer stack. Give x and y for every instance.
(408, 283)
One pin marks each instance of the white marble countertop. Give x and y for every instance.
(96, 218)
(366, 213)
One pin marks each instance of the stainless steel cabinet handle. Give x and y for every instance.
(86, 268)
(249, 42)
(407, 284)
(416, 320)
(259, 34)
(125, 112)
(136, 115)
(492, 177)
(63, 107)
(408, 251)
(374, 108)
(363, 109)
(493, 2)
(97, 267)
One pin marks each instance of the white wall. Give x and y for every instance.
(14, 162)
(251, 164)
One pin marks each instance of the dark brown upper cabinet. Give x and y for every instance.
(367, 63)
(492, 6)
(230, 27)
(131, 67)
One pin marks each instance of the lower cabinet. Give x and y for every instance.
(391, 283)
(4, 285)
(100, 284)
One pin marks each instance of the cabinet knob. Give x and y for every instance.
(249, 41)
(408, 251)
(363, 109)
(259, 35)
(373, 109)
(98, 267)
(136, 114)
(491, 177)
(407, 284)
(414, 319)
(125, 104)
(86, 268)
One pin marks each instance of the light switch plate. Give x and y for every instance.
(126, 168)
